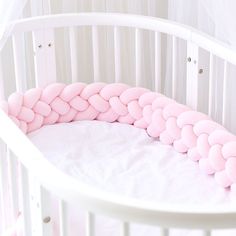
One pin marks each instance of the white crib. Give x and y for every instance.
(38, 178)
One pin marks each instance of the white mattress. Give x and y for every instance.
(123, 159)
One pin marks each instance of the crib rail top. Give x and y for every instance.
(182, 31)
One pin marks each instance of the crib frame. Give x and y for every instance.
(31, 161)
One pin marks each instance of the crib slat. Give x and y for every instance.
(40, 209)
(90, 224)
(95, 45)
(164, 232)
(45, 211)
(174, 79)
(3, 181)
(207, 233)
(12, 176)
(24, 198)
(2, 92)
(63, 218)
(39, 63)
(225, 85)
(73, 54)
(117, 56)
(211, 86)
(125, 229)
(19, 61)
(138, 58)
(192, 75)
(157, 62)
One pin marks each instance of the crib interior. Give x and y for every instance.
(156, 60)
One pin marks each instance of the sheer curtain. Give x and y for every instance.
(218, 19)
(222, 14)
(10, 10)
(215, 17)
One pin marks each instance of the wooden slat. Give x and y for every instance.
(138, 58)
(117, 55)
(2, 92)
(174, 75)
(90, 224)
(12, 178)
(157, 61)
(73, 55)
(95, 46)
(225, 97)
(19, 61)
(45, 211)
(207, 233)
(3, 181)
(125, 229)
(211, 86)
(192, 75)
(41, 209)
(24, 200)
(63, 218)
(164, 232)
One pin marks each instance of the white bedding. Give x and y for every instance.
(123, 159)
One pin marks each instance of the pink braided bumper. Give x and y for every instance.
(188, 131)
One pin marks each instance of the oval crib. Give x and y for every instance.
(38, 178)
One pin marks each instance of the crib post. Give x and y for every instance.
(192, 75)
(44, 57)
(44, 47)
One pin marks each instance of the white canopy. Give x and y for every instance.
(215, 17)
(10, 10)
(223, 15)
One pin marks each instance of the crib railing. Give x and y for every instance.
(33, 187)
(44, 49)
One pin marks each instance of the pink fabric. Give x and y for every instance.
(187, 130)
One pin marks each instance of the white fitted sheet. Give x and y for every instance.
(123, 159)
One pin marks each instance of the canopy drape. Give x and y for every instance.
(10, 10)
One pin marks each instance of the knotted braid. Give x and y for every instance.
(174, 124)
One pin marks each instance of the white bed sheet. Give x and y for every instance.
(123, 159)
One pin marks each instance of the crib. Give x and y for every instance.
(30, 187)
